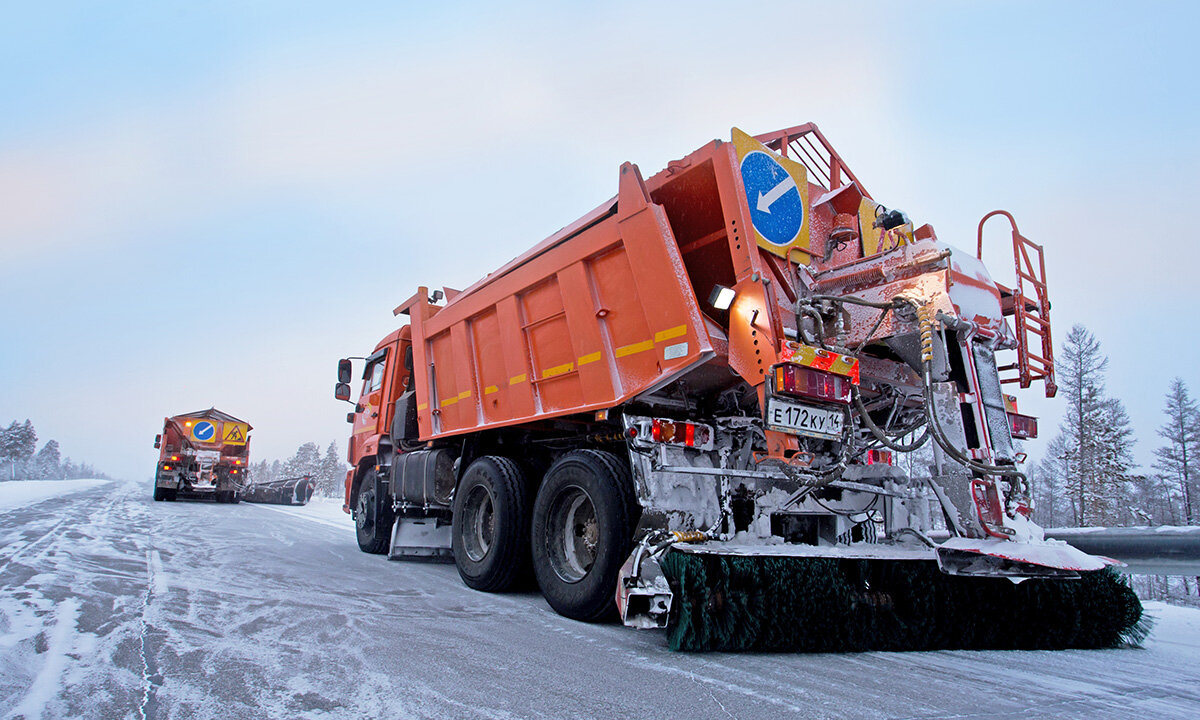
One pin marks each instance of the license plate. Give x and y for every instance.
(807, 420)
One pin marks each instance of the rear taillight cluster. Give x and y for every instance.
(1023, 427)
(672, 432)
(879, 457)
(806, 382)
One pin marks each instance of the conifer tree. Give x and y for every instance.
(1176, 460)
(1095, 443)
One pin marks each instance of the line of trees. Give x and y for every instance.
(1088, 475)
(24, 461)
(328, 469)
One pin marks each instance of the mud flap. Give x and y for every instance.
(421, 539)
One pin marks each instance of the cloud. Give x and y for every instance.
(332, 119)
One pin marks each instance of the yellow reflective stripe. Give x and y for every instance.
(635, 348)
(449, 401)
(516, 379)
(464, 395)
(589, 358)
(558, 370)
(422, 406)
(490, 389)
(668, 334)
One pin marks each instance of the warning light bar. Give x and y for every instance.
(1024, 427)
(801, 381)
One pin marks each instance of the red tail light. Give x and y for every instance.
(166, 467)
(814, 384)
(673, 432)
(1023, 427)
(879, 457)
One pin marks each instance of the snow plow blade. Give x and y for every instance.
(782, 602)
(1005, 558)
(288, 491)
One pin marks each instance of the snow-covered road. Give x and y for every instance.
(114, 606)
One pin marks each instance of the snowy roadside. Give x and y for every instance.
(322, 510)
(20, 493)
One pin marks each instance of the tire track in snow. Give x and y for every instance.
(51, 533)
(45, 685)
(156, 587)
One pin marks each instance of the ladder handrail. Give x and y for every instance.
(1029, 366)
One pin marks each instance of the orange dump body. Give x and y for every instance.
(608, 308)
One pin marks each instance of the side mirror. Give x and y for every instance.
(157, 441)
(344, 371)
(341, 391)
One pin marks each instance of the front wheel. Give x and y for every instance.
(583, 521)
(372, 518)
(491, 525)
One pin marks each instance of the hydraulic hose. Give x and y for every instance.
(925, 315)
(882, 436)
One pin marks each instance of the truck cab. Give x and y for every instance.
(385, 379)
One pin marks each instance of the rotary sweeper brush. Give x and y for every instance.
(692, 398)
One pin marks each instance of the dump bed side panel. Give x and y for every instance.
(604, 315)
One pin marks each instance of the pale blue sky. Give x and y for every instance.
(205, 204)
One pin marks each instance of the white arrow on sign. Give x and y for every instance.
(766, 201)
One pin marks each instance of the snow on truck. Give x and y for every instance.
(683, 408)
(202, 454)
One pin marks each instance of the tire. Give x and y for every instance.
(372, 519)
(169, 495)
(159, 494)
(583, 523)
(491, 525)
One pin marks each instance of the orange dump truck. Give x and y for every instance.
(200, 455)
(717, 363)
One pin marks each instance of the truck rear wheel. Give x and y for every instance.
(373, 518)
(491, 524)
(583, 522)
(159, 494)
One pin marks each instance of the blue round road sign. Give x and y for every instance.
(204, 431)
(776, 208)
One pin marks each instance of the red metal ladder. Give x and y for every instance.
(1030, 312)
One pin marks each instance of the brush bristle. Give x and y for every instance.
(799, 604)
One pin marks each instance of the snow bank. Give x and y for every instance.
(20, 493)
(1176, 630)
